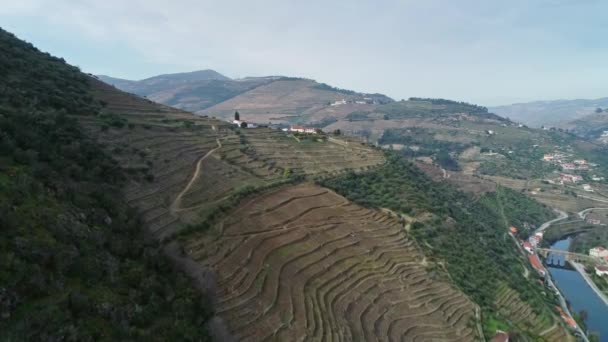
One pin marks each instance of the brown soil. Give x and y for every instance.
(304, 263)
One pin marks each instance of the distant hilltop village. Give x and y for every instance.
(365, 100)
(294, 128)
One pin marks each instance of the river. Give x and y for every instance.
(579, 294)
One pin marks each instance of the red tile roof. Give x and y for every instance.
(500, 336)
(535, 262)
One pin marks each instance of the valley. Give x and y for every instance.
(391, 223)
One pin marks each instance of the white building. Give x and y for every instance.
(337, 103)
(587, 188)
(302, 129)
(598, 252)
(601, 270)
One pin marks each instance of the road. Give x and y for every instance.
(592, 198)
(175, 206)
(583, 213)
(562, 216)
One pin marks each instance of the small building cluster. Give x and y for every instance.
(570, 178)
(598, 252)
(240, 123)
(362, 101)
(301, 129)
(566, 162)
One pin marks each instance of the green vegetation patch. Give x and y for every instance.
(73, 262)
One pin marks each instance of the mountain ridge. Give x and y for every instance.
(550, 112)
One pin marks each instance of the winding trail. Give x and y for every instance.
(175, 206)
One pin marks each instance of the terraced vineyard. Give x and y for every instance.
(521, 315)
(162, 147)
(304, 263)
(269, 153)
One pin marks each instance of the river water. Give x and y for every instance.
(579, 294)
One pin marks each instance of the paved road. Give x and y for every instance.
(562, 216)
(583, 213)
(592, 198)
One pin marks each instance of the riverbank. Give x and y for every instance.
(562, 300)
(581, 269)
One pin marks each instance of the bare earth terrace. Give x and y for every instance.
(303, 263)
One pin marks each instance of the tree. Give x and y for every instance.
(237, 116)
(598, 110)
(243, 124)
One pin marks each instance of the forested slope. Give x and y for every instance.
(73, 262)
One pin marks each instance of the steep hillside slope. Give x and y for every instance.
(270, 253)
(467, 236)
(591, 126)
(549, 113)
(74, 264)
(304, 263)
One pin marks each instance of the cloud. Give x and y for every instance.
(471, 50)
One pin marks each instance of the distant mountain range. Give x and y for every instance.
(556, 113)
(259, 98)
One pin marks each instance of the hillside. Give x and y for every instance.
(590, 126)
(550, 113)
(108, 197)
(75, 264)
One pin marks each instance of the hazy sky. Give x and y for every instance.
(486, 52)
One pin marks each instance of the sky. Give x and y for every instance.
(487, 52)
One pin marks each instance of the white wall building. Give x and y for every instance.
(598, 252)
(601, 270)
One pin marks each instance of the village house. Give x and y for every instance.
(601, 270)
(535, 262)
(593, 221)
(548, 157)
(337, 103)
(580, 162)
(568, 178)
(513, 230)
(587, 188)
(527, 246)
(535, 240)
(598, 252)
(500, 336)
(302, 129)
(568, 166)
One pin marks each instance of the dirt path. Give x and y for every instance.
(175, 206)
(548, 330)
